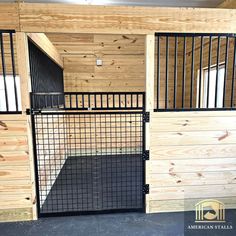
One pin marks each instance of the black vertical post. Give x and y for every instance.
(200, 74)
(167, 72)
(158, 70)
(4, 71)
(183, 80)
(192, 73)
(217, 70)
(13, 70)
(226, 67)
(233, 75)
(175, 70)
(209, 70)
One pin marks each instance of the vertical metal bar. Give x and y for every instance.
(137, 102)
(89, 100)
(101, 97)
(114, 101)
(192, 73)
(217, 70)
(184, 73)
(125, 100)
(131, 100)
(209, 70)
(13, 70)
(4, 71)
(70, 101)
(200, 74)
(77, 101)
(226, 68)
(119, 101)
(167, 72)
(233, 76)
(107, 101)
(175, 70)
(158, 70)
(95, 100)
(82, 100)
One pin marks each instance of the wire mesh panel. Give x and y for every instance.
(89, 161)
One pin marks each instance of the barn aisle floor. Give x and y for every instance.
(128, 224)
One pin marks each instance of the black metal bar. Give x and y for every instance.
(175, 70)
(200, 74)
(158, 71)
(192, 73)
(184, 75)
(196, 109)
(13, 70)
(167, 72)
(47, 97)
(89, 101)
(77, 105)
(82, 100)
(233, 75)
(226, 68)
(209, 70)
(4, 71)
(217, 70)
(164, 34)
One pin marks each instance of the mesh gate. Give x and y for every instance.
(89, 161)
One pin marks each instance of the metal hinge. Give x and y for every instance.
(146, 117)
(146, 155)
(28, 111)
(146, 188)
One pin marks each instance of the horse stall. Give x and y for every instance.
(115, 109)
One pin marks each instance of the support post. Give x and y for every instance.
(150, 74)
(25, 82)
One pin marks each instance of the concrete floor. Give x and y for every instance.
(125, 224)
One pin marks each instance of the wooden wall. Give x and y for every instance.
(16, 198)
(192, 157)
(123, 62)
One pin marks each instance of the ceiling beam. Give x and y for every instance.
(228, 4)
(42, 41)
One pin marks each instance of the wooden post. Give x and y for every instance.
(150, 71)
(25, 82)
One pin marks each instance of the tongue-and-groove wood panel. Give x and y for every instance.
(123, 66)
(15, 179)
(191, 158)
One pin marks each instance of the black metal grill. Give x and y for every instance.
(89, 161)
(88, 101)
(9, 84)
(195, 71)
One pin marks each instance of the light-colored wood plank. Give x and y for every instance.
(192, 151)
(41, 40)
(20, 214)
(193, 165)
(193, 138)
(188, 192)
(186, 204)
(192, 178)
(9, 17)
(123, 19)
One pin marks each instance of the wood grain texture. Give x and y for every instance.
(192, 157)
(9, 17)
(41, 40)
(123, 59)
(114, 19)
(15, 172)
